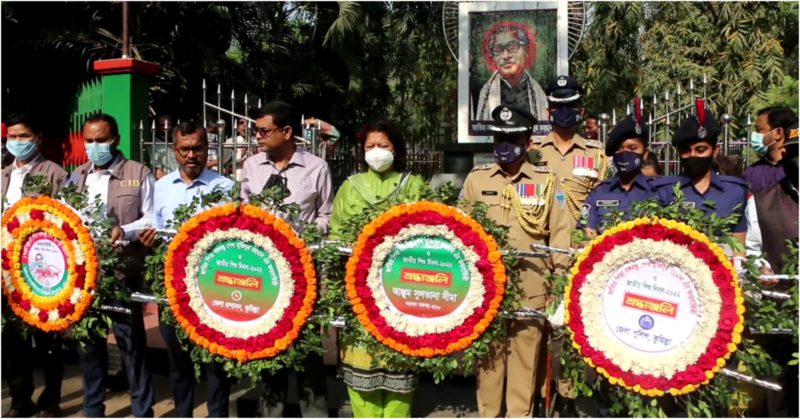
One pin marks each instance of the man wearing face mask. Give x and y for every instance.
(521, 196)
(767, 140)
(777, 208)
(579, 164)
(696, 141)
(627, 145)
(24, 140)
(125, 191)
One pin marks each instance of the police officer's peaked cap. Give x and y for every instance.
(792, 135)
(511, 119)
(625, 129)
(691, 131)
(564, 89)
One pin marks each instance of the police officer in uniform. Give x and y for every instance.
(578, 164)
(627, 147)
(696, 141)
(521, 196)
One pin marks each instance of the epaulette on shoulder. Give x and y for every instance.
(485, 166)
(594, 144)
(661, 181)
(735, 179)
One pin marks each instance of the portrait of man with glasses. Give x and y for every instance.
(509, 49)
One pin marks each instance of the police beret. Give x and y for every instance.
(564, 89)
(511, 119)
(792, 136)
(690, 131)
(624, 130)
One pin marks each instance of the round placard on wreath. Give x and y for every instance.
(49, 263)
(240, 282)
(655, 307)
(425, 279)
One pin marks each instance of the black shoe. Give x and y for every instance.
(53, 412)
(15, 413)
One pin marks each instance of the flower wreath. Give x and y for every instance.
(284, 276)
(612, 307)
(50, 293)
(447, 325)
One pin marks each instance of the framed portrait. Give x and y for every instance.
(508, 53)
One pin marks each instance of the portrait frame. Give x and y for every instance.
(473, 18)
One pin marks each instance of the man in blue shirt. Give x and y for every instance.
(696, 141)
(627, 143)
(177, 188)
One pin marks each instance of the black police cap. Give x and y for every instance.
(625, 129)
(511, 119)
(564, 89)
(690, 130)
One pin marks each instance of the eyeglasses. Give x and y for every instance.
(266, 132)
(184, 151)
(510, 46)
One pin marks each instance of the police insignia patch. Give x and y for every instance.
(561, 82)
(585, 211)
(505, 114)
(561, 199)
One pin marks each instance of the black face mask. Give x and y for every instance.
(697, 167)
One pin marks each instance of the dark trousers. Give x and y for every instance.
(311, 390)
(182, 379)
(18, 367)
(93, 358)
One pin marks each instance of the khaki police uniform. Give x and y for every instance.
(577, 172)
(510, 372)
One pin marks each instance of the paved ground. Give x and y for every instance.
(454, 398)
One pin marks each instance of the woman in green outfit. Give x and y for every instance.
(375, 391)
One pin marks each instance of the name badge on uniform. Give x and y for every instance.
(129, 183)
(541, 169)
(530, 194)
(584, 166)
(489, 193)
(607, 203)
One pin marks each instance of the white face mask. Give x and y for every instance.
(379, 159)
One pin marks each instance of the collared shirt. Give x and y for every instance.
(726, 195)
(17, 178)
(307, 178)
(763, 175)
(171, 191)
(97, 186)
(610, 196)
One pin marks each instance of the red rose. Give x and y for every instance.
(695, 374)
(65, 309)
(80, 281)
(43, 315)
(16, 296)
(728, 320)
(648, 381)
(37, 214)
(67, 229)
(679, 380)
(25, 305)
(706, 362)
(12, 225)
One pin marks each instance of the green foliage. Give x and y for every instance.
(35, 185)
(110, 286)
(785, 94)
(646, 48)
